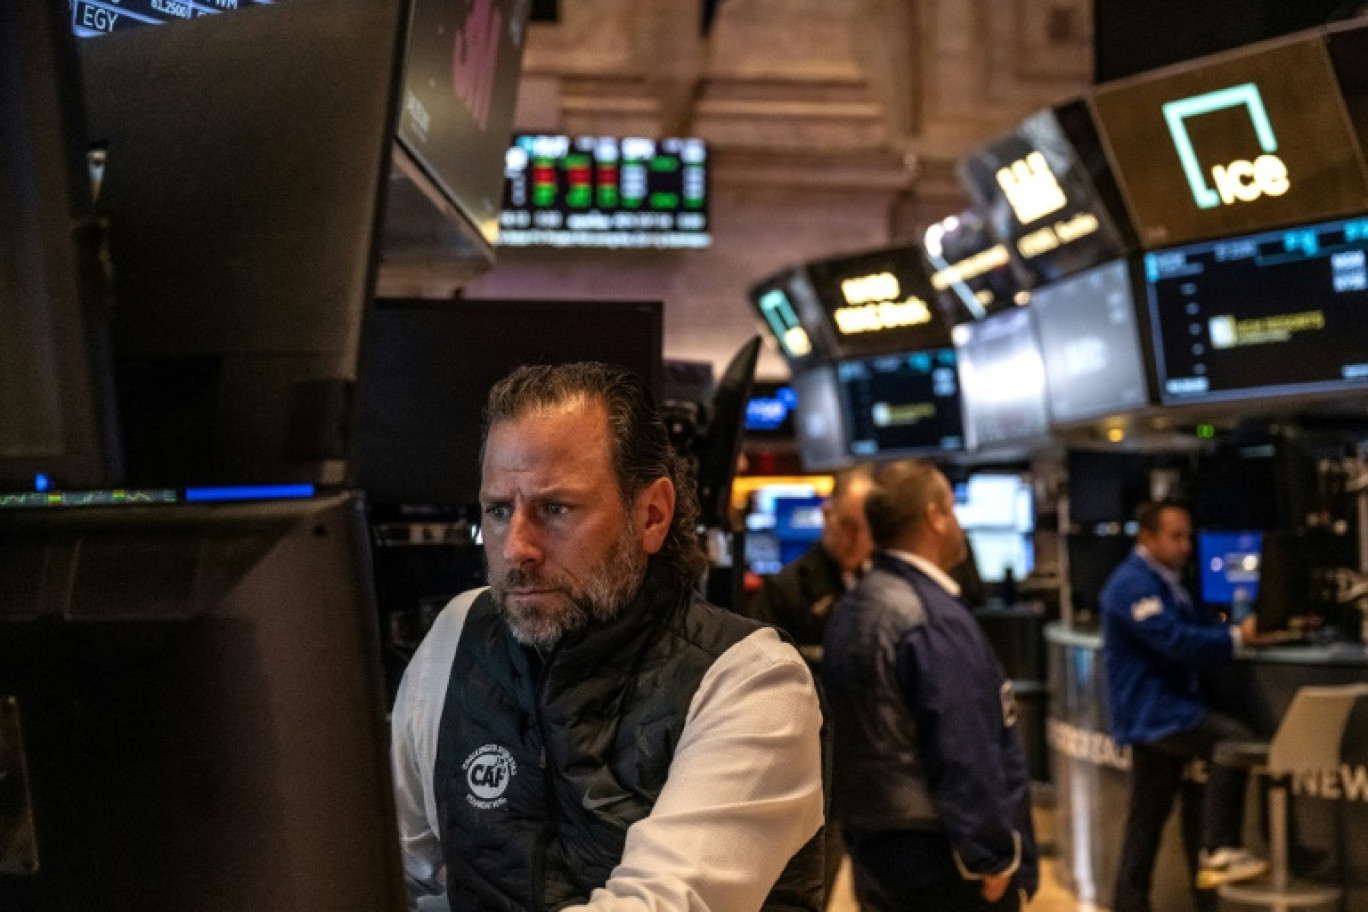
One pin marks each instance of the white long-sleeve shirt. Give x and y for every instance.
(744, 791)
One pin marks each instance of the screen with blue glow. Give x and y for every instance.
(770, 413)
(1229, 565)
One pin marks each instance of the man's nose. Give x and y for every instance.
(521, 545)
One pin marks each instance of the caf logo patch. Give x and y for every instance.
(488, 771)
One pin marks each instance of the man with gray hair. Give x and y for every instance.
(588, 733)
(931, 787)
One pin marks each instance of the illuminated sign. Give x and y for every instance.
(1258, 139)
(778, 312)
(1031, 188)
(876, 302)
(971, 271)
(1240, 180)
(1040, 199)
(599, 191)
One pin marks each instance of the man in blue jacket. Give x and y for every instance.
(1155, 640)
(930, 780)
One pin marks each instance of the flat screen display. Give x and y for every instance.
(426, 370)
(996, 511)
(601, 191)
(818, 421)
(878, 302)
(1278, 313)
(969, 266)
(902, 404)
(769, 411)
(1254, 139)
(1038, 198)
(461, 73)
(1002, 380)
(1090, 343)
(788, 306)
(100, 17)
(1228, 563)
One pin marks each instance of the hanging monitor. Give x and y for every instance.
(1091, 345)
(1002, 381)
(461, 72)
(818, 420)
(902, 405)
(601, 191)
(878, 302)
(789, 308)
(56, 421)
(1042, 195)
(970, 268)
(1246, 140)
(1281, 313)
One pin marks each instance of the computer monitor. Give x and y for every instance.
(241, 192)
(1261, 316)
(1228, 566)
(996, 511)
(427, 366)
(902, 405)
(56, 417)
(818, 420)
(194, 692)
(1002, 381)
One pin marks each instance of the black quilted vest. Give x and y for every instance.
(542, 766)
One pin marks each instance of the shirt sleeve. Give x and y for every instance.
(1142, 611)
(413, 749)
(744, 792)
(959, 727)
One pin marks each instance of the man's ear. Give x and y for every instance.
(653, 512)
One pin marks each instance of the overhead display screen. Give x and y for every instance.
(789, 308)
(817, 420)
(1002, 380)
(902, 404)
(1039, 199)
(1090, 342)
(878, 302)
(600, 191)
(1252, 140)
(99, 17)
(461, 73)
(1278, 313)
(970, 268)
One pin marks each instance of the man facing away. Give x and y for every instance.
(588, 733)
(931, 787)
(1155, 640)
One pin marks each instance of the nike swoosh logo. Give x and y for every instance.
(593, 804)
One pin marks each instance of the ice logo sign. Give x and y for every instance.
(1241, 180)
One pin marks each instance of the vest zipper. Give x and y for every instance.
(549, 785)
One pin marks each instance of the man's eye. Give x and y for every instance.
(557, 509)
(497, 512)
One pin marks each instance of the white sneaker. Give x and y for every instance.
(1227, 865)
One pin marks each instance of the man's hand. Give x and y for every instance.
(994, 885)
(1250, 635)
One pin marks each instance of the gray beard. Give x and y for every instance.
(600, 596)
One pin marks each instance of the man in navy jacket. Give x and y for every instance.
(930, 778)
(1155, 641)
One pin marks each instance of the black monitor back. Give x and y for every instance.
(247, 157)
(428, 366)
(199, 708)
(55, 403)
